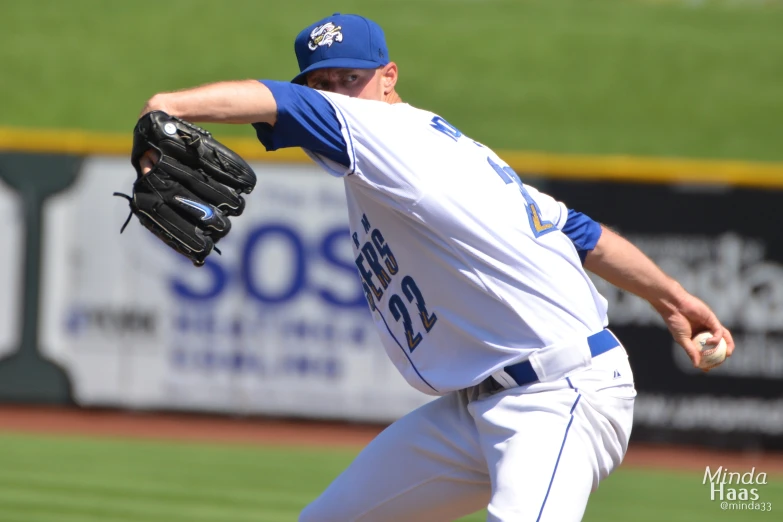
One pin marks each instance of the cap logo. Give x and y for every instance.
(326, 35)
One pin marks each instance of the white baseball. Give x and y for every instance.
(711, 355)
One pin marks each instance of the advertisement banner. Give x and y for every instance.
(277, 324)
(11, 276)
(723, 245)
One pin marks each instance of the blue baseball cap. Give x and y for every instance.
(342, 40)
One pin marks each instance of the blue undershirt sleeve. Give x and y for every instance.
(305, 119)
(582, 231)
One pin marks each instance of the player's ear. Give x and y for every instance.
(389, 77)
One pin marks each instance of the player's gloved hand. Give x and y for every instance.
(148, 161)
(187, 184)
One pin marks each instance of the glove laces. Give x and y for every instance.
(130, 202)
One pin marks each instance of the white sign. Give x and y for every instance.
(277, 324)
(11, 274)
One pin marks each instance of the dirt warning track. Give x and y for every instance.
(256, 430)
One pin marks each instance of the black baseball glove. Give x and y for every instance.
(187, 197)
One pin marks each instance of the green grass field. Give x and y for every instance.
(70, 479)
(698, 79)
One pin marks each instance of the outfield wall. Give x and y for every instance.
(278, 324)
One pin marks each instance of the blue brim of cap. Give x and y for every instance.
(338, 63)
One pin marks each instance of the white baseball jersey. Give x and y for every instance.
(466, 269)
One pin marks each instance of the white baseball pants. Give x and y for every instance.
(531, 453)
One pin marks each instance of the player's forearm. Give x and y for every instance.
(621, 263)
(243, 101)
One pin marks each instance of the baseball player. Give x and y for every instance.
(476, 282)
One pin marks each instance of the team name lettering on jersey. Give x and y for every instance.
(377, 266)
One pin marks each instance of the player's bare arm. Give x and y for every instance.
(241, 101)
(619, 262)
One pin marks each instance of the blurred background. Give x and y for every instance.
(134, 386)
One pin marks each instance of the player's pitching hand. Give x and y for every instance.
(690, 317)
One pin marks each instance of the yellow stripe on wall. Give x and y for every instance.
(648, 170)
(560, 166)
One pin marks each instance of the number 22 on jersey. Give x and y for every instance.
(376, 259)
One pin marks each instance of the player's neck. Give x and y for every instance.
(392, 97)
